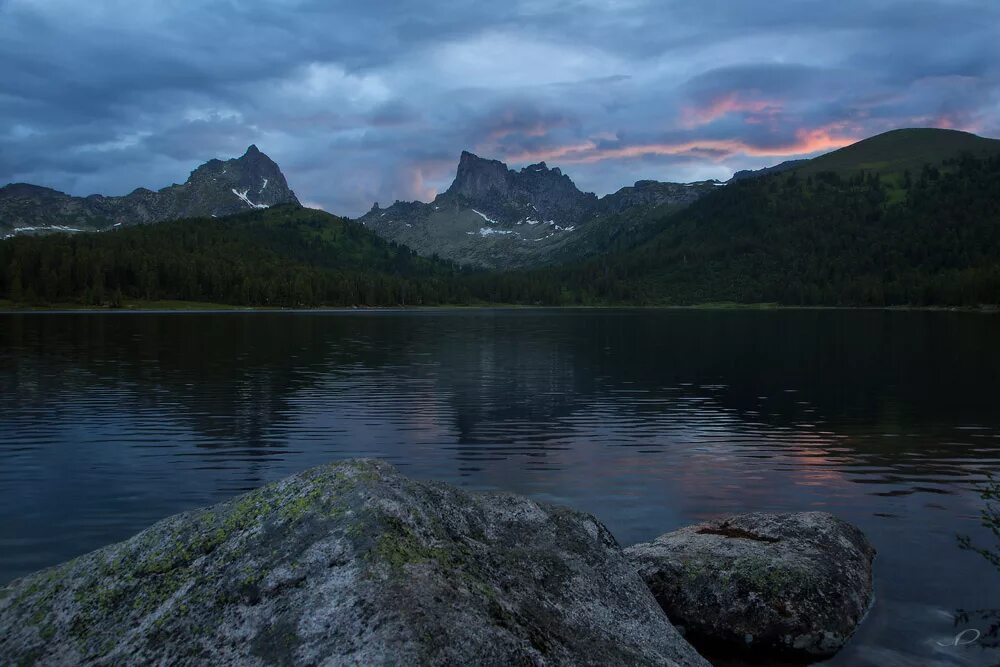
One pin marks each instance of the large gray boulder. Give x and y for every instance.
(348, 564)
(795, 584)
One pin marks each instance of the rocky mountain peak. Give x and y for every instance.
(254, 159)
(540, 168)
(493, 185)
(497, 217)
(216, 188)
(251, 181)
(478, 177)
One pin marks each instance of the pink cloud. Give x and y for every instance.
(755, 110)
(807, 141)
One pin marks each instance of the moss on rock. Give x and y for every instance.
(347, 563)
(763, 584)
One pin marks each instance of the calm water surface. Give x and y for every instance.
(649, 419)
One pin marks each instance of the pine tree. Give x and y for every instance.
(16, 288)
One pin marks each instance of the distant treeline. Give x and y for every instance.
(927, 238)
(283, 256)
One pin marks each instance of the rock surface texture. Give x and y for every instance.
(346, 564)
(765, 584)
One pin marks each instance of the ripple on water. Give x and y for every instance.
(648, 419)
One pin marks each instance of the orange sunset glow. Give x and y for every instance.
(807, 141)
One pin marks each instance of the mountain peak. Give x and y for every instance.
(541, 168)
(473, 161)
(216, 188)
(477, 177)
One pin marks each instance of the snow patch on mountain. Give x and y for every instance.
(245, 199)
(485, 217)
(49, 228)
(489, 231)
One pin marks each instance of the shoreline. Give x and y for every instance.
(172, 306)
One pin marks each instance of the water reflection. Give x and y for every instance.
(649, 419)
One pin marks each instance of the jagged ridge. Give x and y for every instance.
(496, 217)
(216, 188)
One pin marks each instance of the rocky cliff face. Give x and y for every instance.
(655, 193)
(477, 177)
(535, 191)
(495, 217)
(215, 189)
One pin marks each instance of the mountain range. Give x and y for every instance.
(908, 217)
(497, 218)
(215, 189)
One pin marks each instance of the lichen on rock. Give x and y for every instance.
(349, 563)
(795, 584)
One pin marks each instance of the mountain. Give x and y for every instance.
(833, 238)
(285, 255)
(888, 154)
(495, 217)
(909, 149)
(776, 169)
(215, 189)
(817, 236)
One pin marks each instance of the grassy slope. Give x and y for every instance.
(890, 153)
(127, 304)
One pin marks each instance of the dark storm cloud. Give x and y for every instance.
(374, 101)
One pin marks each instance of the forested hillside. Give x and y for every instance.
(283, 256)
(823, 239)
(849, 238)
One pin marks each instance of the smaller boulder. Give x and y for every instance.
(792, 584)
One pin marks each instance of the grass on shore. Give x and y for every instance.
(173, 305)
(6, 304)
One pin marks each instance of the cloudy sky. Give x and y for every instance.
(374, 100)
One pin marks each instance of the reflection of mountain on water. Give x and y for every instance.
(231, 376)
(846, 382)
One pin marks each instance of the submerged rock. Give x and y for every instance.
(794, 584)
(350, 563)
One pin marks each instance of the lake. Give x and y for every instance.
(649, 419)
